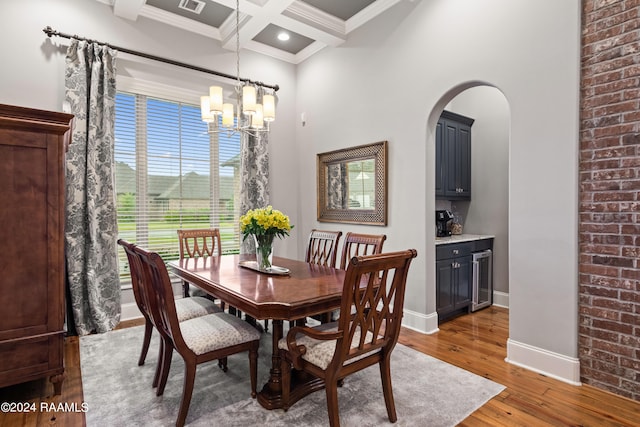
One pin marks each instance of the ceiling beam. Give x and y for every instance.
(253, 20)
(180, 22)
(128, 9)
(368, 13)
(328, 35)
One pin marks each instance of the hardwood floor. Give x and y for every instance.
(475, 342)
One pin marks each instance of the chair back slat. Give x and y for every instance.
(158, 285)
(356, 244)
(199, 242)
(374, 290)
(136, 270)
(322, 248)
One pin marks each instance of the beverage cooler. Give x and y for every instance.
(482, 265)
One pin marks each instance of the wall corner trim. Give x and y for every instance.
(501, 299)
(554, 365)
(419, 322)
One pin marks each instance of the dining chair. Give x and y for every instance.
(186, 308)
(203, 242)
(198, 340)
(360, 244)
(374, 290)
(198, 243)
(322, 249)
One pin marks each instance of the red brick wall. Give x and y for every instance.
(609, 200)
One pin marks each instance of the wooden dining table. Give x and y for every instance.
(306, 290)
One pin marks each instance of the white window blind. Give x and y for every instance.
(172, 174)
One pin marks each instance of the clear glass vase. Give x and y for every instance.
(264, 251)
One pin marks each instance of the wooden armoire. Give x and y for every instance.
(32, 216)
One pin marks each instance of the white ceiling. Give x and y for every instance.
(312, 24)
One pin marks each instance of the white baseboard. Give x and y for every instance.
(554, 365)
(501, 299)
(423, 323)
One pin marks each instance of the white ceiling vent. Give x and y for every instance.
(194, 6)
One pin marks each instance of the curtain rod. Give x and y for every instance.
(51, 32)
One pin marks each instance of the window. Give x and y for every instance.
(171, 174)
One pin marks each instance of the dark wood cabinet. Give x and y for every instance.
(453, 157)
(453, 279)
(32, 149)
(454, 276)
(453, 290)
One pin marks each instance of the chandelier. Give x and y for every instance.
(252, 115)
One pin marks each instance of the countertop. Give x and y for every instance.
(459, 238)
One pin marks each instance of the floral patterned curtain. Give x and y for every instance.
(91, 223)
(254, 177)
(254, 174)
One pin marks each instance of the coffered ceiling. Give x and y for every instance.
(312, 25)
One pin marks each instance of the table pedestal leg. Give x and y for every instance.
(270, 396)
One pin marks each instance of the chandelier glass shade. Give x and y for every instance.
(255, 108)
(248, 115)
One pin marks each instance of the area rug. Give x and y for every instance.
(118, 392)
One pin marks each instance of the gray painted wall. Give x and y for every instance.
(395, 76)
(388, 82)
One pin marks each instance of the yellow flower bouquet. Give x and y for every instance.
(264, 224)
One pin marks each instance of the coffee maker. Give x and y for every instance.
(443, 217)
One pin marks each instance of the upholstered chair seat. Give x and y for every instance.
(320, 352)
(216, 331)
(188, 308)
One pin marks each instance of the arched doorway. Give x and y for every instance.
(487, 212)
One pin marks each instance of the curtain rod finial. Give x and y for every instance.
(48, 31)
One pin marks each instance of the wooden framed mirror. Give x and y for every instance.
(352, 185)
